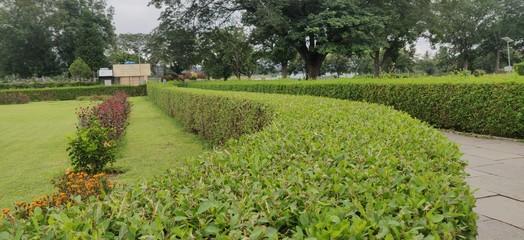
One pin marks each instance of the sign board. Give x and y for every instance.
(105, 73)
(508, 68)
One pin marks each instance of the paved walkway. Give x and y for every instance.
(496, 168)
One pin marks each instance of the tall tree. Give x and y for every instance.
(26, 39)
(403, 22)
(458, 24)
(174, 46)
(507, 21)
(84, 29)
(314, 28)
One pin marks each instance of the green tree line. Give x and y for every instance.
(356, 33)
(43, 38)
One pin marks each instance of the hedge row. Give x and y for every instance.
(214, 118)
(70, 93)
(320, 169)
(24, 85)
(483, 107)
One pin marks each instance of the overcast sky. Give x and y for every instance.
(134, 16)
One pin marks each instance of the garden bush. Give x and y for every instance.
(318, 169)
(71, 187)
(13, 98)
(477, 105)
(519, 68)
(98, 131)
(72, 93)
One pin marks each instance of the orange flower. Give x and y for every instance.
(6, 211)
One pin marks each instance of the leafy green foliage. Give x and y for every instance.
(323, 168)
(479, 105)
(79, 70)
(519, 68)
(99, 129)
(214, 119)
(13, 98)
(42, 38)
(92, 148)
(50, 84)
(72, 93)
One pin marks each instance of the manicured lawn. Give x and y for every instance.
(33, 143)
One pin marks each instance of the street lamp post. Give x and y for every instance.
(508, 40)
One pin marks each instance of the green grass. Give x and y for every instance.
(154, 142)
(32, 149)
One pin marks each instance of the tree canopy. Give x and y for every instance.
(42, 38)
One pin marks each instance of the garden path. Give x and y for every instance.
(496, 169)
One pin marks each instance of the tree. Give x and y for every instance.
(174, 46)
(458, 24)
(313, 28)
(338, 64)
(507, 21)
(403, 22)
(230, 51)
(84, 29)
(80, 70)
(26, 39)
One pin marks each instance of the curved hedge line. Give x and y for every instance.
(483, 107)
(71, 93)
(320, 169)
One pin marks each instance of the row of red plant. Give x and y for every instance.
(112, 113)
(99, 129)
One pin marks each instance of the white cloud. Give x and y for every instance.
(134, 16)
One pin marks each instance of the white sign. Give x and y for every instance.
(105, 73)
(508, 68)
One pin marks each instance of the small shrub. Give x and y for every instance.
(98, 131)
(80, 70)
(479, 72)
(92, 148)
(69, 186)
(519, 68)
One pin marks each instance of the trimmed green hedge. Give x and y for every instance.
(483, 107)
(320, 169)
(214, 118)
(519, 68)
(23, 85)
(71, 93)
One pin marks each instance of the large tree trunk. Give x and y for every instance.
(313, 61)
(497, 61)
(376, 64)
(285, 69)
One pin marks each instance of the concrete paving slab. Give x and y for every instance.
(490, 154)
(474, 161)
(496, 230)
(481, 193)
(475, 173)
(502, 186)
(505, 170)
(502, 209)
(506, 146)
(513, 162)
